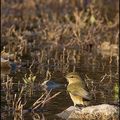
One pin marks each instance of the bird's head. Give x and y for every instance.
(73, 77)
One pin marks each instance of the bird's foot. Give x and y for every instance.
(79, 106)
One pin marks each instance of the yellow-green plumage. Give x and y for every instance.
(77, 89)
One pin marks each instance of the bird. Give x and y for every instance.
(77, 89)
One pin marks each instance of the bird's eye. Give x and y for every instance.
(71, 77)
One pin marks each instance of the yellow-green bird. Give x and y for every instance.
(77, 89)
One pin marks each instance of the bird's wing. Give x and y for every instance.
(78, 91)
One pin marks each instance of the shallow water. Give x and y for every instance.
(99, 75)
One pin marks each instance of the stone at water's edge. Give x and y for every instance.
(98, 112)
(66, 113)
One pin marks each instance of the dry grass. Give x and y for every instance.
(51, 36)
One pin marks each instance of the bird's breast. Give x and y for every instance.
(76, 99)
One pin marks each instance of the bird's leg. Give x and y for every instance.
(80, 106)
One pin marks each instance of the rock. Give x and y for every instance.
(98, 112)
(5, 63)
(66, 113)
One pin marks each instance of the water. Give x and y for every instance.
(99, 75)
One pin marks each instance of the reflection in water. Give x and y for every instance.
(36, 116)
(49, 84)
(4, 73)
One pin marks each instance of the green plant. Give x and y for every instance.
(116, 90)
(29, 83)
(30, 79)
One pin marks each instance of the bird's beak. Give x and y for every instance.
(66, 79)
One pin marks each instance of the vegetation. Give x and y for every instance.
(50, 38)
